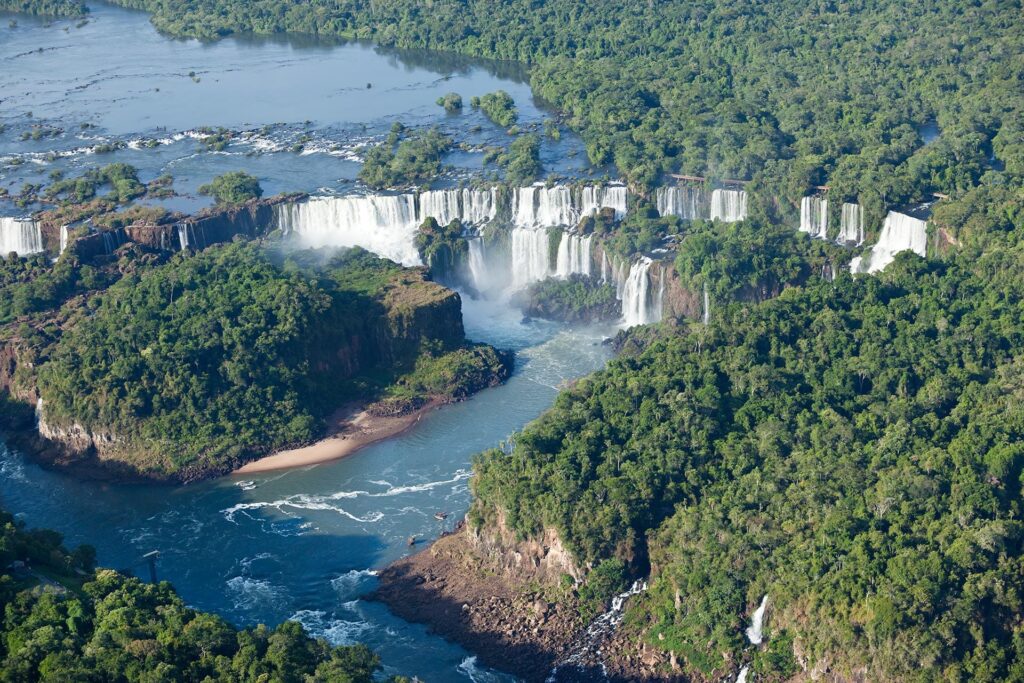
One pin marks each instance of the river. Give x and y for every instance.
(301, 544)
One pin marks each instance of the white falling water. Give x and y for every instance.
(20, 235)
(63, 238)
(542, 207)
(707, 305)
(530, 256)
(637, 305)
(385, 225)
(605, 266)
(478, 264)
(900, 232)
(742, 678)
(814, 216)
(479, 206)
(183, 240)
(573, 256)
(593, 198)
(851, 225)
(686, 201)
(588, 646)
(755, 632)
(728, 206)
(442, 205)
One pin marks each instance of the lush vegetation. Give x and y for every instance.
(409, 161)
(45, 8)
(122, 179)
(577, 298)
(498, 106)
(522, 160)
(442, 248)
(452, 102)
(235, 187)
(208, 360)
(850, 448)
(31, 284)
(62, 620)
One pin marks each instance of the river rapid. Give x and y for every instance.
(302, 544)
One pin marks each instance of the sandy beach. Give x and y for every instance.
(351, 429)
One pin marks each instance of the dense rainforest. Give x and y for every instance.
(852, 449)
(63, 620)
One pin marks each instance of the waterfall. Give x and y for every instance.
(593, 198)
(604, 266)
(530, 256)
(538, 206)
(742, 678)
(479, 206)
(851, 225)
(814, 216)
(183, 235)
(900, 232)
(63, 238)
(383, 224)
(112, 239)
(755, 633)
(543, 207)
(441, 205)
(637, 307)
(728, 205)
(686, 201)
(573, 256)
(707, 305)
(478, 264)
(588, 646)
(20, 235)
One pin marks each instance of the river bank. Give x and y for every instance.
(351, 429)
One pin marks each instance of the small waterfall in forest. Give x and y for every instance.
(63, 238)
(587, 648)
(707, 305)
(814, 216)
(900, 232)
(573, 255)
(851, 225)
(20, 235)
(742, 678)
(755, 632)
(383, 224)
(530, 256)
(605, 268)
(183, 240)
(686, 201)
(112, 239)
(728, 205)
(638, 306)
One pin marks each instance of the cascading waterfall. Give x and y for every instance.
(605, 268)
(588, 646)
(530, 256)
(814, 216)
(637, 306)
(63, 238)
(479, 206)
(686, 202)
(383, 224)
(755, 632)
(851, 225)
(728, 205)
(900, 232)
(20, 235)
(478, 264)
(573, 255)
(543, 207)
(442, 205)
(593, 198)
